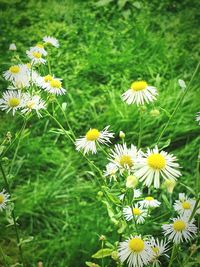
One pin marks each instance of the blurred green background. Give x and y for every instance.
(104, 46)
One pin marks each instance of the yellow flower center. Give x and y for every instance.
(179, 225)
(14, 69)
(136, 244)
(30, 104)
(37, 55)
(55, 84)
(40, 46)
(155, 250)
(2, 199)
(156, 161)
(13, 102)
(126, 160)
(48, 78)
(186, 205)
(28, 65)
(138, 86)
(149, 198)
(92, 135)
(136, 211)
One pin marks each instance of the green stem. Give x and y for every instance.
(178, 104)
(102, 246)
(140, 130)
(197, 174)
(13, 215)
(4, 258)
(172, 255)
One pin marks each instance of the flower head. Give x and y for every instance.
(16, 73)
(51, 41)
(39, 48)
(149, 202)
(135, 212)
(111, 170)
(153, 164)
(11, 101)
(4, 198)
(185, 205)
(159, 248)
(91, 138)
(35, 56)
(33, 103)
(54, 86)
(139, 93)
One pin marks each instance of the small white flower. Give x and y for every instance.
(111, 170)
(159, 248)
(12, 47)
(4, 198)
(33, 103)
(54, 86)
(16, 73)
(135, 251)
(39, 48)
(136, 213)
(182, 84)
(149, 202)
(198, 117)
(181, 229)
(140, 93)
(153, 164)
(185, 205)
(36, 57)
(137, 193)
(92, 137)
(11, 100)
(124, 158)
(43, 82)
(51, 40)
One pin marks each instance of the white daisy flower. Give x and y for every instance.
(43, 82)
(54, 86)
(4, 198)
(11, 101)
(159, 248)
(154, 164)
(111, 170)
(136, 251)
(39, 48)
(92, 137)
(149, 202)
(136, 212)
(16, 72)
(124, 158)
(198, 117)
(139, 93)
(181, 229)
(51, 40)
(33, 103)
(137, 193)
(185, 205)
(36, 57)
(12, 47)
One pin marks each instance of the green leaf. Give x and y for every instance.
(110, 212)
(91, 264)
(122, 225)
(103, 3)
(165, 144)
(166, 201)
(102, 253)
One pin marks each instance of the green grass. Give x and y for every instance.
(102, 50)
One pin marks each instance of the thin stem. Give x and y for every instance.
(177, 105)
(140, 130)
(13, 215)
(172, 255)
(4, 258)
(197, 174)
(102, 246)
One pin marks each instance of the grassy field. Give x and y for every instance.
(104, 46)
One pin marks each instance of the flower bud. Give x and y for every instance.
(12, 47)
(131, 181)
(114, 255)
(122, 135)
(169, 185)
(143, 108)
(102, 238)
(100, 194)
(154, 112)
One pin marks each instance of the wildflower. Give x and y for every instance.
(124, 158)
(131, 181)
(12, 47)
(11, 100)
(139, 93)
(51, 41)
(185, 205)
(4, 198)
(182, 84)
(136, 251)
(122, 135)
(43, 82)
(93, 137)
(198, 117)
(136, 193)
(136, 212)
(54, 86)
(36, 57)
(15, 72)
(149, 202)
(181, 229)
(154, 164)
(169, 185)
(158, 248)
(40, 49)
(111, 170)
(154, 112)
(33, 103)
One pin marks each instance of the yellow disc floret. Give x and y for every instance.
(126, 160)
(149, 198)
(136, 244)
(92, 135)
(2, 199)
(48, 78)
(55, 84)
(136, 211)
(138, 86)
(13, 102)
(186, 205)
(14, 69)
(37, 55)
(179, 225)
(156, 161)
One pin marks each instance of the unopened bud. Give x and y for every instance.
(40, 264)
(12, 47)
(193, 248)
(154, 112)
(102, 238)
(114, 255)
(131, 181)
(100, 194)
(143, 108)
(122, 135)
(169, 185)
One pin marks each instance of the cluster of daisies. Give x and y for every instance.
(26, 85)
